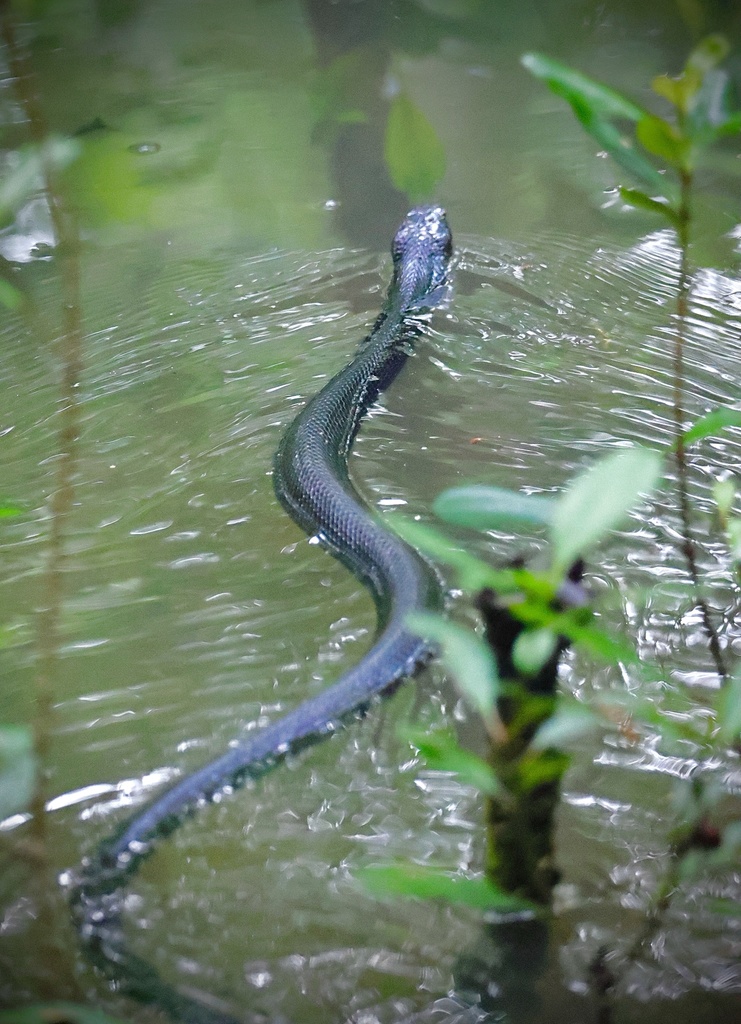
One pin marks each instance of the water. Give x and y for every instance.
(234, 253)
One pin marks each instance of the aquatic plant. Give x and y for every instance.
(530, 617)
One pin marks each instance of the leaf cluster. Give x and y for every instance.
(642, 143)
(592, 505)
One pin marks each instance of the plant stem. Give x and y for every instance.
(688, 545)
(658, 908)
(57, 977)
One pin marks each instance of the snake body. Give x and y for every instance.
(312, 482)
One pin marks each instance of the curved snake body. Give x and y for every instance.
(311, 480)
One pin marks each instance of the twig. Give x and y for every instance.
(58, 977)
(688, 545)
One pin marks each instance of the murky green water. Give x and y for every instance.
(234, 253)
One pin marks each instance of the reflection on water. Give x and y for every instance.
(195, 608)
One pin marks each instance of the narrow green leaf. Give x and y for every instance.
(490, 508)
(597, 500)
(634, 197)
(532, 649)
(17, 769)
(568, 723)
(663, 140)
(441, 752)
(572, 84)
(414, 154)
(595, 105)
(428, 883)
(713, 423)
(465, 656)
(473, 574)
(621, 149)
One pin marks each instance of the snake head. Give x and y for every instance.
(421, 251)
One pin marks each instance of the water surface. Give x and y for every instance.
(234, 254)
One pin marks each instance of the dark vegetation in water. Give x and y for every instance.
(530, 614)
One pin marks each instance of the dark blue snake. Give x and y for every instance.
(311, 480)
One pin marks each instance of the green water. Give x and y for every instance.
(235, 215)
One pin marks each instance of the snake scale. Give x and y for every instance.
(312, 482)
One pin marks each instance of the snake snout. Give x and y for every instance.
(421, 251)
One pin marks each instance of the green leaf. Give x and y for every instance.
(675, 90)
(597, 500)
(712, 423)
(532, 649)
(731, 126)
(568, 723)
(7, 510)
(10, 296)
(573, 86)
(428, 883)
(599, 643)
(663, 140)
(57, 1013)
(733, 531)
(728, 710)
(708, 53)
(414, 154)
(542, 768)
(17, 769)
(441, 752)
(622, 150)
(491, 508)
(473, 574)
(634, 197)
(108, 181)
(724, 495)
(595, 105)
(465, 656)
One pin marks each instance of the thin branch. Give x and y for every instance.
(688, 545)
(58, 974)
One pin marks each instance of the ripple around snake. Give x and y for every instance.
(187, 400)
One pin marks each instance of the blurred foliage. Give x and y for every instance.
(57, 1013)
(17, 769)
(414, 153)
(501, 680)
(424, 882)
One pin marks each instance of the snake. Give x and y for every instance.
(312, 482)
